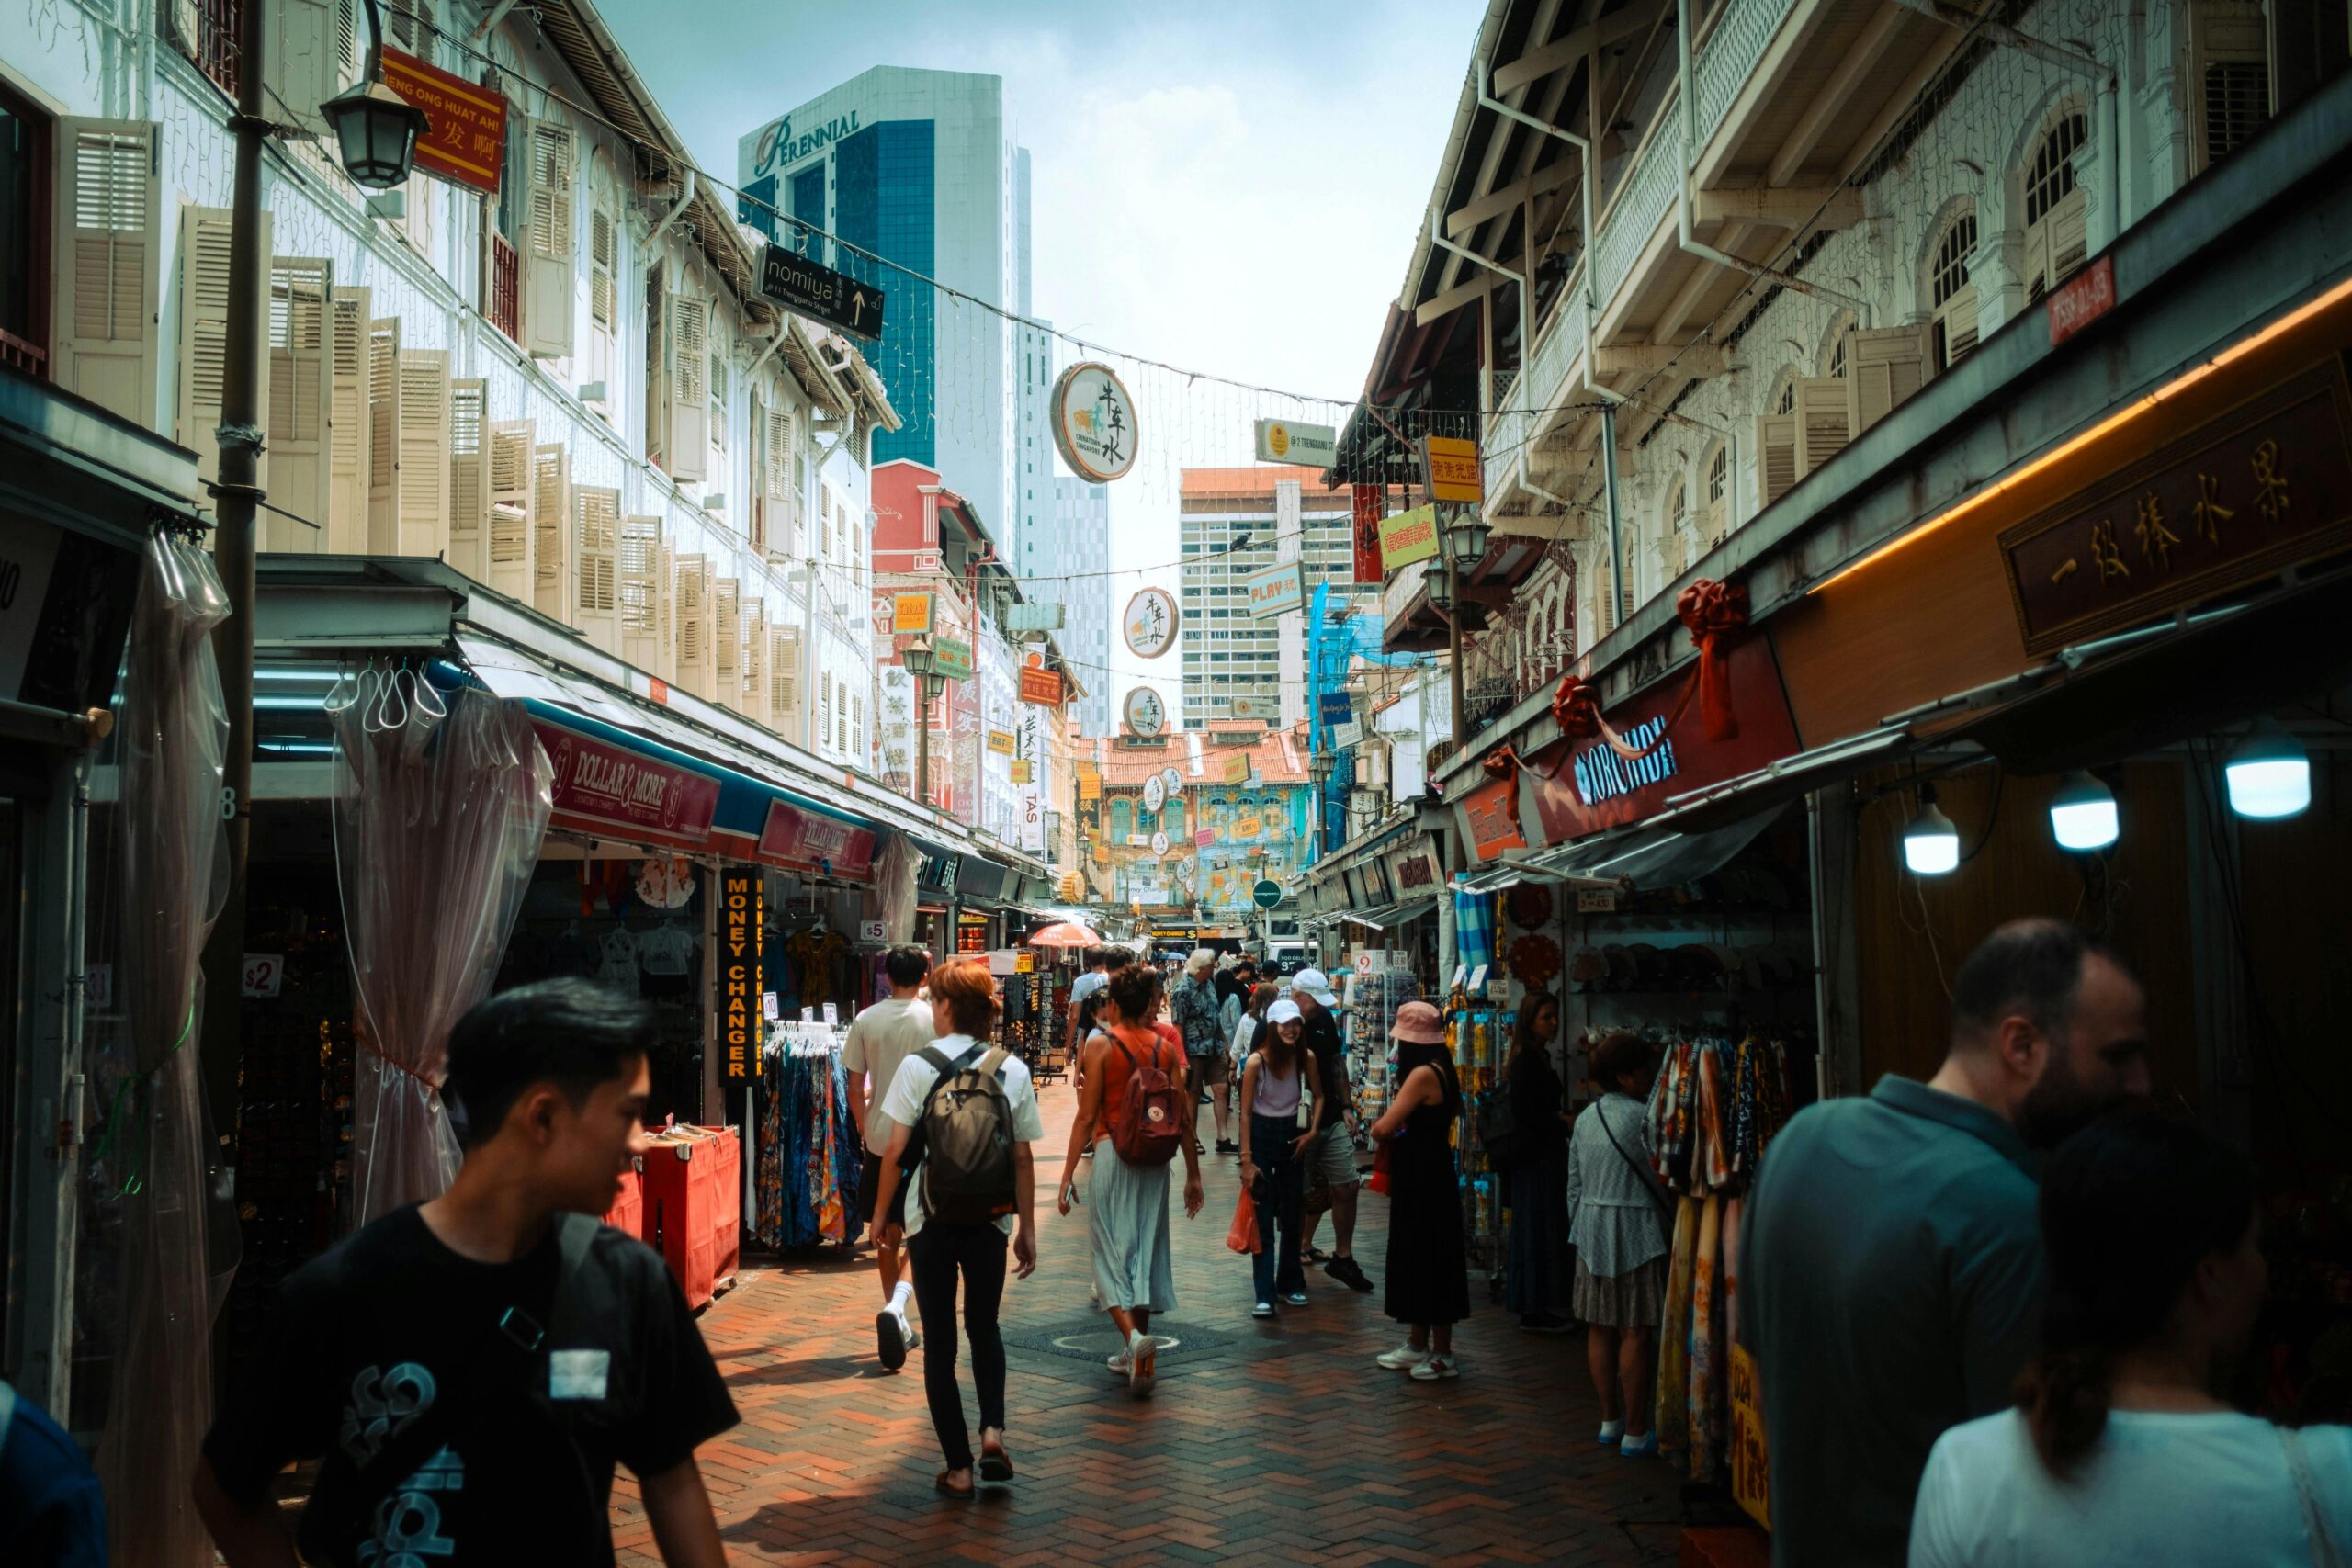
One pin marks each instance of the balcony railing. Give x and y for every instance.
(505, 288)
(218, 24)
(18, 354)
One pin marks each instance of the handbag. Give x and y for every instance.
(1379, 1182)
(1243, 1236)
(1649, 1183)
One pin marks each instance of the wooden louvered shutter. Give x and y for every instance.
(693, 610)
(351, 426)
(597, 513)
(777, 461)
(725, 681)
(604, 302)
(300, 404)
(643, 589)
(686, 354)
(1776, 457)
(423, 453)
(550, 514)
(1821, 421)
(1883, 368)
(204, 333)
(106, 263)
(469, 476)
(303, 58)
(383, 435)
(784, 683)
(754, 704)
(666, 613)
(512, 550)
(551, 246)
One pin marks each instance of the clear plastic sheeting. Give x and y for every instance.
(441, 800)
(164, 1255)
(896, 869)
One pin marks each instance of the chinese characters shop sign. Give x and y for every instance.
(742, 896)
(2264, 486)
(465, 126)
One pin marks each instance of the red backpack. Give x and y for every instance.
(1147, 1112)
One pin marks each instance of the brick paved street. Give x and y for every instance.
(1264, 1444)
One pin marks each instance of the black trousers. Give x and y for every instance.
(1275, 1268)
(939, 1252)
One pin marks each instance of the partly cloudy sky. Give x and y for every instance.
(1233, 188)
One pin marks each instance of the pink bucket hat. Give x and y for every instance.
(1419, 1024)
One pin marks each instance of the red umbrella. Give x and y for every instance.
(1065, 933)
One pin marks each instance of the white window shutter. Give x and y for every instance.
(784, 683)
(666, 614)
(644, 588)
(597, 513)
(106, 270)
(551, 241)
(1883, 368)
(302, 62)
(755, 492)
(726, 642)
(512, 550)
(383, 435)
(422, 455)
(687, 371)
(300, 404)
(469, 476)
(824, 714)
(1776, 457)
(204, 333)
(604, 302)
(756, 663)
(550, 514)
(777, 466)
(1821, 421)
(351, 426)
(694, 613)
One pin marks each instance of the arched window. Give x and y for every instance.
(1715, 517)
(1785, 401)
(1951, 298)
(1171, 818)
(1678, 508)
(2055, 239)
(1833, 356)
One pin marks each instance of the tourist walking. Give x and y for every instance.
(1192, 1008)
(1136, 1115)
(881, 1037)
(1429, 1264)
(1616, 1210)
(964, 1115)
(1278, 1086)
(1891, 1265)
(469, 1371)
(1332, 1181)
(2123, 1447)
(1536, 1275)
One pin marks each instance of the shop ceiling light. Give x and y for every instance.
(1930, 843)
(2082, 813)
(2269, 775)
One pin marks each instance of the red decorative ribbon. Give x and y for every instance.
(1501, 764)
(1716, 612)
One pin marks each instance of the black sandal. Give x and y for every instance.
(997, 1466)
(939, 1483)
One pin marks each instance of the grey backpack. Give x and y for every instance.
(966, 1141)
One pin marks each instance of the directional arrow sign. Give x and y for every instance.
(790, 278)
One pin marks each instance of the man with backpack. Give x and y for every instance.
(1134, 1114)
(963, 1114)
(470, 1369)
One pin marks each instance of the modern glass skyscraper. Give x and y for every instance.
(920, 167)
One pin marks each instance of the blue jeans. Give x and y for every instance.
(1280, 1190)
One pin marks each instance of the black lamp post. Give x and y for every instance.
(922, 662)
(375, 127)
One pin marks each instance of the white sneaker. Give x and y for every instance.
(1436, 1367)
(906, 1328)
(1403, 1357)
(1118, 1363)
(1143, 1361)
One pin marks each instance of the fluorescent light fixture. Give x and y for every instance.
(2082, 813)
(1930, 843)
(2269, 775)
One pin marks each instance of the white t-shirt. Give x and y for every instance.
(665, 949)
(911, 1087)
(2158, 1487)
(881, 1037)
(616, 963)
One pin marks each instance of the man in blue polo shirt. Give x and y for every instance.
(1891, 1264)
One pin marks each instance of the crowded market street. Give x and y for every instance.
(1264, 1443)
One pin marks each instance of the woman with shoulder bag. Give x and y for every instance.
(1616, 1219)
(1537, 1280)
(1278, 1086)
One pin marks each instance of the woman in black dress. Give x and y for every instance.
(1428, 1266)
(1536, 1282)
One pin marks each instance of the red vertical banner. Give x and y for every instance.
(1368, 506)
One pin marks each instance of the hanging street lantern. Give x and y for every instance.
(375, 127)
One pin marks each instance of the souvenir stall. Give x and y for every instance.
(1477, 1029)
(1371, 990)
(806, 1159)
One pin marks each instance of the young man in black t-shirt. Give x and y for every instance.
(470, 1369)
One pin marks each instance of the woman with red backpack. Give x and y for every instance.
(1135, 1111)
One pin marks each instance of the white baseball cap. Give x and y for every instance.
(1314, 982)
(1283, 1011)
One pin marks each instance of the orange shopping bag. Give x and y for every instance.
(1243, 1237)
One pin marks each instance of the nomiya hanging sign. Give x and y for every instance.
(833, 298)
(1094, 422)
